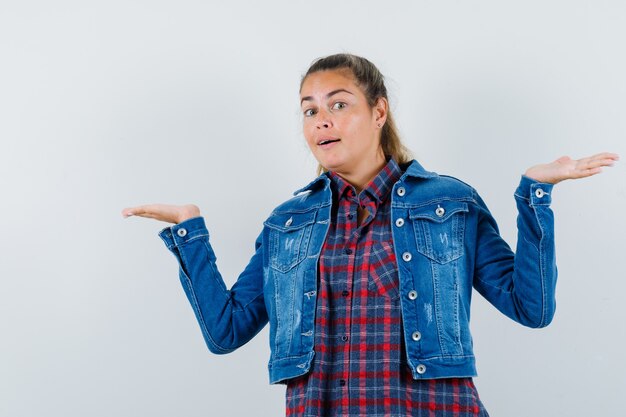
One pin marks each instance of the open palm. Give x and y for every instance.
(164, 212)
(566, 168)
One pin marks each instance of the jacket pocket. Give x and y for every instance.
(383, 271)
(289, 235)
(439, 229)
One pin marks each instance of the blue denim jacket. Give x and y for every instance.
(445, 241)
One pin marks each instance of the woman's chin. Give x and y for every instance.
(330, 163)
(331, 166)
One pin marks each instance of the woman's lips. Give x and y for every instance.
(324, 143)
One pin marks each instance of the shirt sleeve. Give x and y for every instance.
(228, 318)
(520, 284)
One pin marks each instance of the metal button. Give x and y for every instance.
(288, 222)
(406, 256)
(401, 191)
(539, 193)
(181, 232)
(400, 222)
(420, 369)
(440, 211)
(412, 295)
(416, 336)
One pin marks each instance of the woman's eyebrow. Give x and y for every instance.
(329, 95)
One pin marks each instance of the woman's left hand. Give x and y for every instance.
(566, 168)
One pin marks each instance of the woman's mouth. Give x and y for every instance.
(326, 142)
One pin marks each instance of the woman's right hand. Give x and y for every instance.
(164, 212)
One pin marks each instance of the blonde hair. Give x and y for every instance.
(372, 83)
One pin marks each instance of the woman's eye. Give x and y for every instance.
(339, 105)
(308, 112)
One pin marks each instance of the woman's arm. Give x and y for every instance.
(228, 318)
(522, 284)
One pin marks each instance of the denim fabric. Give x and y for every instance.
(445, 240)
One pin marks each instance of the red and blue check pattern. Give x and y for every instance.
(360, 366)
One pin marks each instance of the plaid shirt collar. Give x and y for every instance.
(410, 169)
(377, 190)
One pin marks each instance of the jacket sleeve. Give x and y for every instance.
(228, 318)
(522, 284)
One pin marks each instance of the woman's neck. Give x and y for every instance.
(366, 172)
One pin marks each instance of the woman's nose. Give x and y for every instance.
(323, 120)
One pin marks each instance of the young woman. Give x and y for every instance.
(366, 274)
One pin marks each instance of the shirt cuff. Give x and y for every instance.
(535, 192)
(183, 232)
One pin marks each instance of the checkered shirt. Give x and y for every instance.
(360, 367)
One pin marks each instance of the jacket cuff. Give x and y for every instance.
(183, 232)
(534, 192)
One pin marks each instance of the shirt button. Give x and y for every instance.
(416, 336)
(345, 293)
(288, 222)
(181, 232)
(539, 193)
(400, 222)
(342, 382)
(348, 251)
(406, 256)
(420, 369)
(440, 211)
(401, 191)
(350, 216)
(412, 295)
(344, 338)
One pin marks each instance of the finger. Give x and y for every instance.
(587, 172)
(605, 155)
(593, 171)
(599, 163)
(590, 161)
(143, 211)
(129, 211)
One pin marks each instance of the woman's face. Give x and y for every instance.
(341, 129)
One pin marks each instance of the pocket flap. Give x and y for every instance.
(438, 211)
(287, 221)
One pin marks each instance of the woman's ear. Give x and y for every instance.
(380, 111)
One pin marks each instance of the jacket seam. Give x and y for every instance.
(201, 317)
(196, 306)
(542, 265)
(191, 239)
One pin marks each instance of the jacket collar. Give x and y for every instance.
(411, 169)
(414, 169)
(323, 177)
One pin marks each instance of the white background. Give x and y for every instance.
(106, 105)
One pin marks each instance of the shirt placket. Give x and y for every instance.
(363, 235)
(349, 214)
(354, 248)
